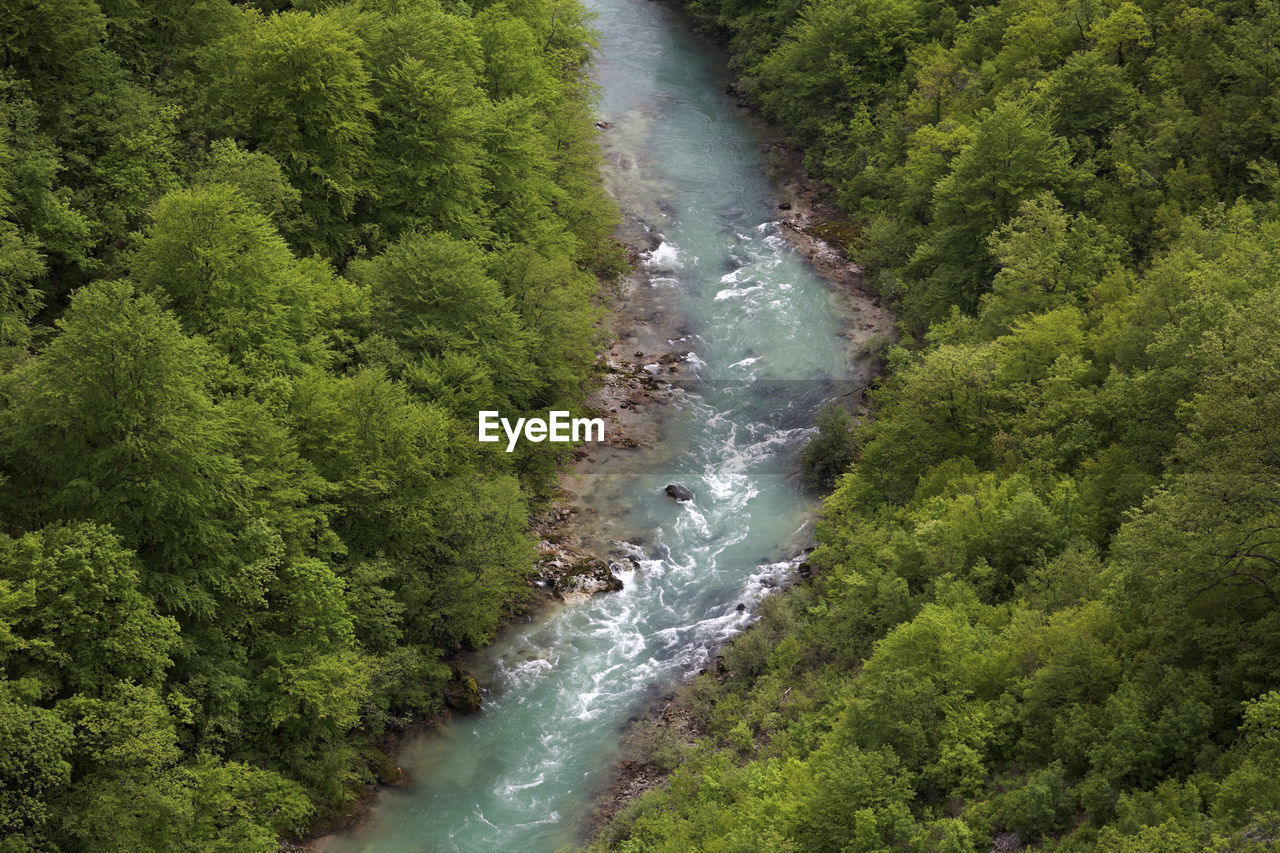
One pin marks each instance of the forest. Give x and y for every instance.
(260, 263)
(1046, 612)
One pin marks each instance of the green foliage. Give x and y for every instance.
(1046, 585)
(829, 453)
(84, 624)
(432, 296)
(1010, 159)
(35, 743)
(294, 86)
(230, 278)
(258, 271)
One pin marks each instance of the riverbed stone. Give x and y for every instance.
(588, 576)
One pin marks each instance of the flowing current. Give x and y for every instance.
(760, 336)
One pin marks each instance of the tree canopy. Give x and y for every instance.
(260, 264)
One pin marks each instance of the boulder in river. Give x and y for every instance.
(678, 492)
(588, 576)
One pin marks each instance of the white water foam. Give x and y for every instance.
(666, 256)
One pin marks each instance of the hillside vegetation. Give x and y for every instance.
(259, 267)
(1048, 608)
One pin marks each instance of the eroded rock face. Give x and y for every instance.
(678, 492)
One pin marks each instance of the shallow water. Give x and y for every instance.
(763, 333)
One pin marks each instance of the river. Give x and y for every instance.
(764, 333)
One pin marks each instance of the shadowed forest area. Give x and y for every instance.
(260, 264)
(1047, 611)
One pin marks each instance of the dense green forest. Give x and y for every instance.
(1047, 610)
(259, 267)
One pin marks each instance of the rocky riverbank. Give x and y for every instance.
(637, 374)
(821, 234)
(656, 737)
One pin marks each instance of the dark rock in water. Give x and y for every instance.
(679, 492)
(741, 607)
(603, 125)
(786, 205)
(462, 694)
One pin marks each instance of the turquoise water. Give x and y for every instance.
(762, 331)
